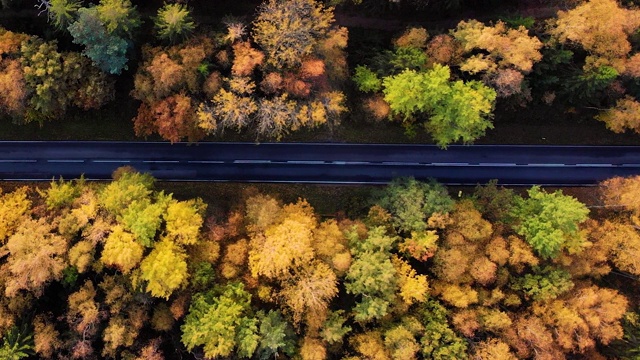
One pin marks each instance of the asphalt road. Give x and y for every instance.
(320, 163)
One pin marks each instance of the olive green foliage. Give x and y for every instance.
(61, 13)
(544, 284)
(44, 74)
(219, 321)
(549, 221)
(439, 340)
(372, 277)
(143, 219)
(119, 17)
(276, 336)
(17, 344)
(493, 202)
(129, 187)
(367, 80)
(334, 329)
(61, 193)
(173, 22)
(589, 86)
(412, 202)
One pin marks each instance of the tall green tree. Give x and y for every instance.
(220, 321)
(372, 276)
(411, 203)
(107, 51)
(456, 111)
(549, 222)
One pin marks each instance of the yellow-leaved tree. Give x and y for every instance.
(121, 250)
(36, 257)
(164, 269)
(602, 28)
(13, 208)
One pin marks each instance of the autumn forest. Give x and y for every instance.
(126, 269)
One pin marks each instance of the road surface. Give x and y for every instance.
(320, 162)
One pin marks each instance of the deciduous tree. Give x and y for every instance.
(219, 321)
(623, 116)
(121, 250)
(412, 202)
(36, 257)
(164, 270)
(549, 222)
(289, 31)
(602, 28)
(457, 110)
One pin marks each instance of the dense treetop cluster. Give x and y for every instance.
(284, 68)
(122, 270)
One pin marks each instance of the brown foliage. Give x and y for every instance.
(151, 351)
(173, 118)
(212, 84)
(529, 336)
(466, 321)
(271, 83)
(10, 42)
(45, 337)
(591, 314)
(443, 49)
(235, 259)
(632, 66)
(312, 68)
(379, 108)
(245, 59)
(13, 89)
(331, 50)
(166, 73)
(83, 313)
(412, 37)
(295, 86)
(144, 122)
(507, 82)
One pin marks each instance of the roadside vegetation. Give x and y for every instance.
(122, 269)
(288, 71)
